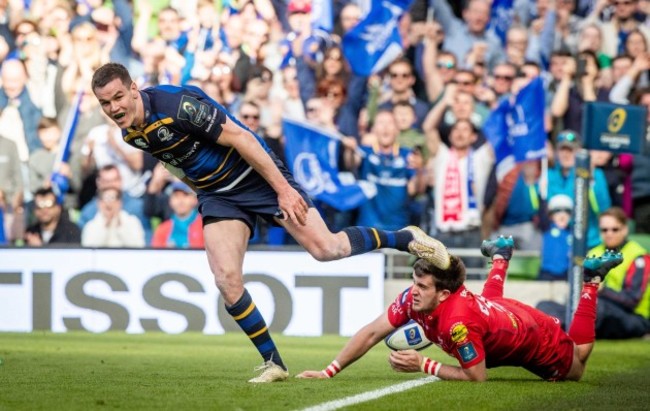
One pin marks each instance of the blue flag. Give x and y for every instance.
(375, 42)
(501, 18)
(60, 183)
(321, 15)
(3, 239)
(516, 128)
(312, 156)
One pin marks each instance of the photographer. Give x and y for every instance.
(579, 84)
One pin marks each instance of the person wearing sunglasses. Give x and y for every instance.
(52, 224)
(624, 298)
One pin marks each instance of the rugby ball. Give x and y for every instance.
(410, 336)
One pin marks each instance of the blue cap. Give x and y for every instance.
(181, 186)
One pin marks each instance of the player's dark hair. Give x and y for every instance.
(109, 72)
(450, 279)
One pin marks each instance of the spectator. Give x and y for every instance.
(460, 177)
(409, 137)
(109, 177)
(52, 225)
(561, 180)
(624, 298)
(184, 229)
(11, 187)
(104, 146)
(462, 35)
(578, 85)
(401, 80)
(556, 242)
(20, 116)
(513, 205)
(622, 23)
(396, 171)
(112, 226)
(41, 162)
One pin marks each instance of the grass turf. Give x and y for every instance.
(82, 371)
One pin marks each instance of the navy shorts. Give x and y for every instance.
(253, 197)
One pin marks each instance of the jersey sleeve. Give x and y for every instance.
(464, 341)
(398, 310)
(199, 115)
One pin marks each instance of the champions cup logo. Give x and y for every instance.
(616, 120)
(189, 109)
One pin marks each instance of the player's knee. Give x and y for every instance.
(324, 250)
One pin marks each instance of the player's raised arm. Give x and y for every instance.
(291, 203)
(359, 344)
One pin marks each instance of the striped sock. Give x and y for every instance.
(250, 320)
(365, 239)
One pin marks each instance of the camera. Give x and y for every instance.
(581, 69)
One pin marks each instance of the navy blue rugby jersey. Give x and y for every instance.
(182, 125)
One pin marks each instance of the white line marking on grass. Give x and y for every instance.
(371, 395)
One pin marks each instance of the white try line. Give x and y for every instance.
(371, 395)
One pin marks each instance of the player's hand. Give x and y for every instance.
(311, 375)
(405, 361)
(293, 207)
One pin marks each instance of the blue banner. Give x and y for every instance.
(60, 183)
(375, 42)
(501, 18)
(3, 239)
(516, 128)
(312, 156)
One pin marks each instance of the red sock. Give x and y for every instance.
(583, 326)
(493, 287)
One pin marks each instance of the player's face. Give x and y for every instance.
(119, 102)
(425, 295)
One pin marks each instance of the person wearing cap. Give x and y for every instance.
(556, 241)
(562, 177)
(238, 179)
(185, 228)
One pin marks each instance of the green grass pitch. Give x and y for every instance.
(82, 371)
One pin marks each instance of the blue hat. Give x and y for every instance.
(181, 186)
(568, 138)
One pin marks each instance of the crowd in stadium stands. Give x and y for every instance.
(262, 60)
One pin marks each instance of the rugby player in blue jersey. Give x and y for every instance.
(237, 179)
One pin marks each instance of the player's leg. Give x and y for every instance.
(500, 250)
(324, 245)
(225, 243)
(583, 326)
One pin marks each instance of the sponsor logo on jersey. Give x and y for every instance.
(177, 161)
(467, 352)
(192, 110)
(459, 333)
(164, 134)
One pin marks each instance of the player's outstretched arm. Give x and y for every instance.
(359, 344)
(413, 361)
(291, 203)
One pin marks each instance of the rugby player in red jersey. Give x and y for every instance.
(482, 331)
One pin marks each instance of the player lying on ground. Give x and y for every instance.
(482, 331)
